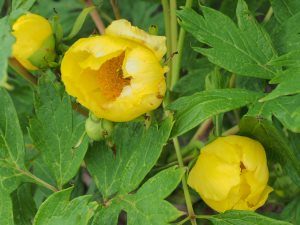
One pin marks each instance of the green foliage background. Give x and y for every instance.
(240, 67)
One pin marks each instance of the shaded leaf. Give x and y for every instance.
(190, 111)
(58, 210)
(283, 9)
(6, 212)
(245, 49)
(291, 212)
(23, 205)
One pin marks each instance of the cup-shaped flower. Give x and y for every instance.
(35, 44)
(231, 173)
(117, 76)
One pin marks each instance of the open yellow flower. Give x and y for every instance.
(118, 76)
(231, 173)
(35, 43)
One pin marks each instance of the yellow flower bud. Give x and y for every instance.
(231, 173)
(117, 76)
(35, 43)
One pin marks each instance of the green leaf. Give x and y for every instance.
(137, 150)
(23, 205)
(6, 212)
(79, 22)
(7, 40)
(288, 83)
(146, 206)
(291, 60)
(291, 212)
(277, 146)
(244, 50)
(11, 145)
(243, 218)
(190, 111)
(58, 210)
(286, 37)
(22, 4)
(55, 131)
(286, 109)
(283, 9)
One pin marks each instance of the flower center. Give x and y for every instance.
(111, 79)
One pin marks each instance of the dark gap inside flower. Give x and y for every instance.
(242, 166)
(111, 80)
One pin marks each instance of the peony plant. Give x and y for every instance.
(149, 112)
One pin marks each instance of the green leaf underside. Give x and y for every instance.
(6, 212)
(55, 132)
(146, 206)
(245, 49)
(277, 146)
(286, 109)
(283, 9)
(243, 218)
(6, 40)
(58, 210)
(11, 145)
(190, 111)
(137, 150)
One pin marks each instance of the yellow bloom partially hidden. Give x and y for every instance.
(118, 76)
(35, 43)
(232, 173)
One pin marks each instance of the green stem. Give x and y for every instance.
(268, 15)
(186, 192)
(178, 58)
(231, 131)
(174, 34)
(39, 181)
(218, 120)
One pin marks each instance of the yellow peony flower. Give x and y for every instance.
(232, 173)
(35, 42)
(118, 76)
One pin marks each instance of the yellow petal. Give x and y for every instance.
(86, 79)
(213, 178)
(123, 28)
(31, 31)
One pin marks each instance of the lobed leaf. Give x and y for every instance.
(58, 210)
(286, 109)
(136, 151)
(245, 49)
(55, 131)
(190, 111)
(146, 206)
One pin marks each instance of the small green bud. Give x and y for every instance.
(98, 129)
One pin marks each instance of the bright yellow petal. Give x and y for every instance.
(213, 178)
(123, 28)
(31, 31)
